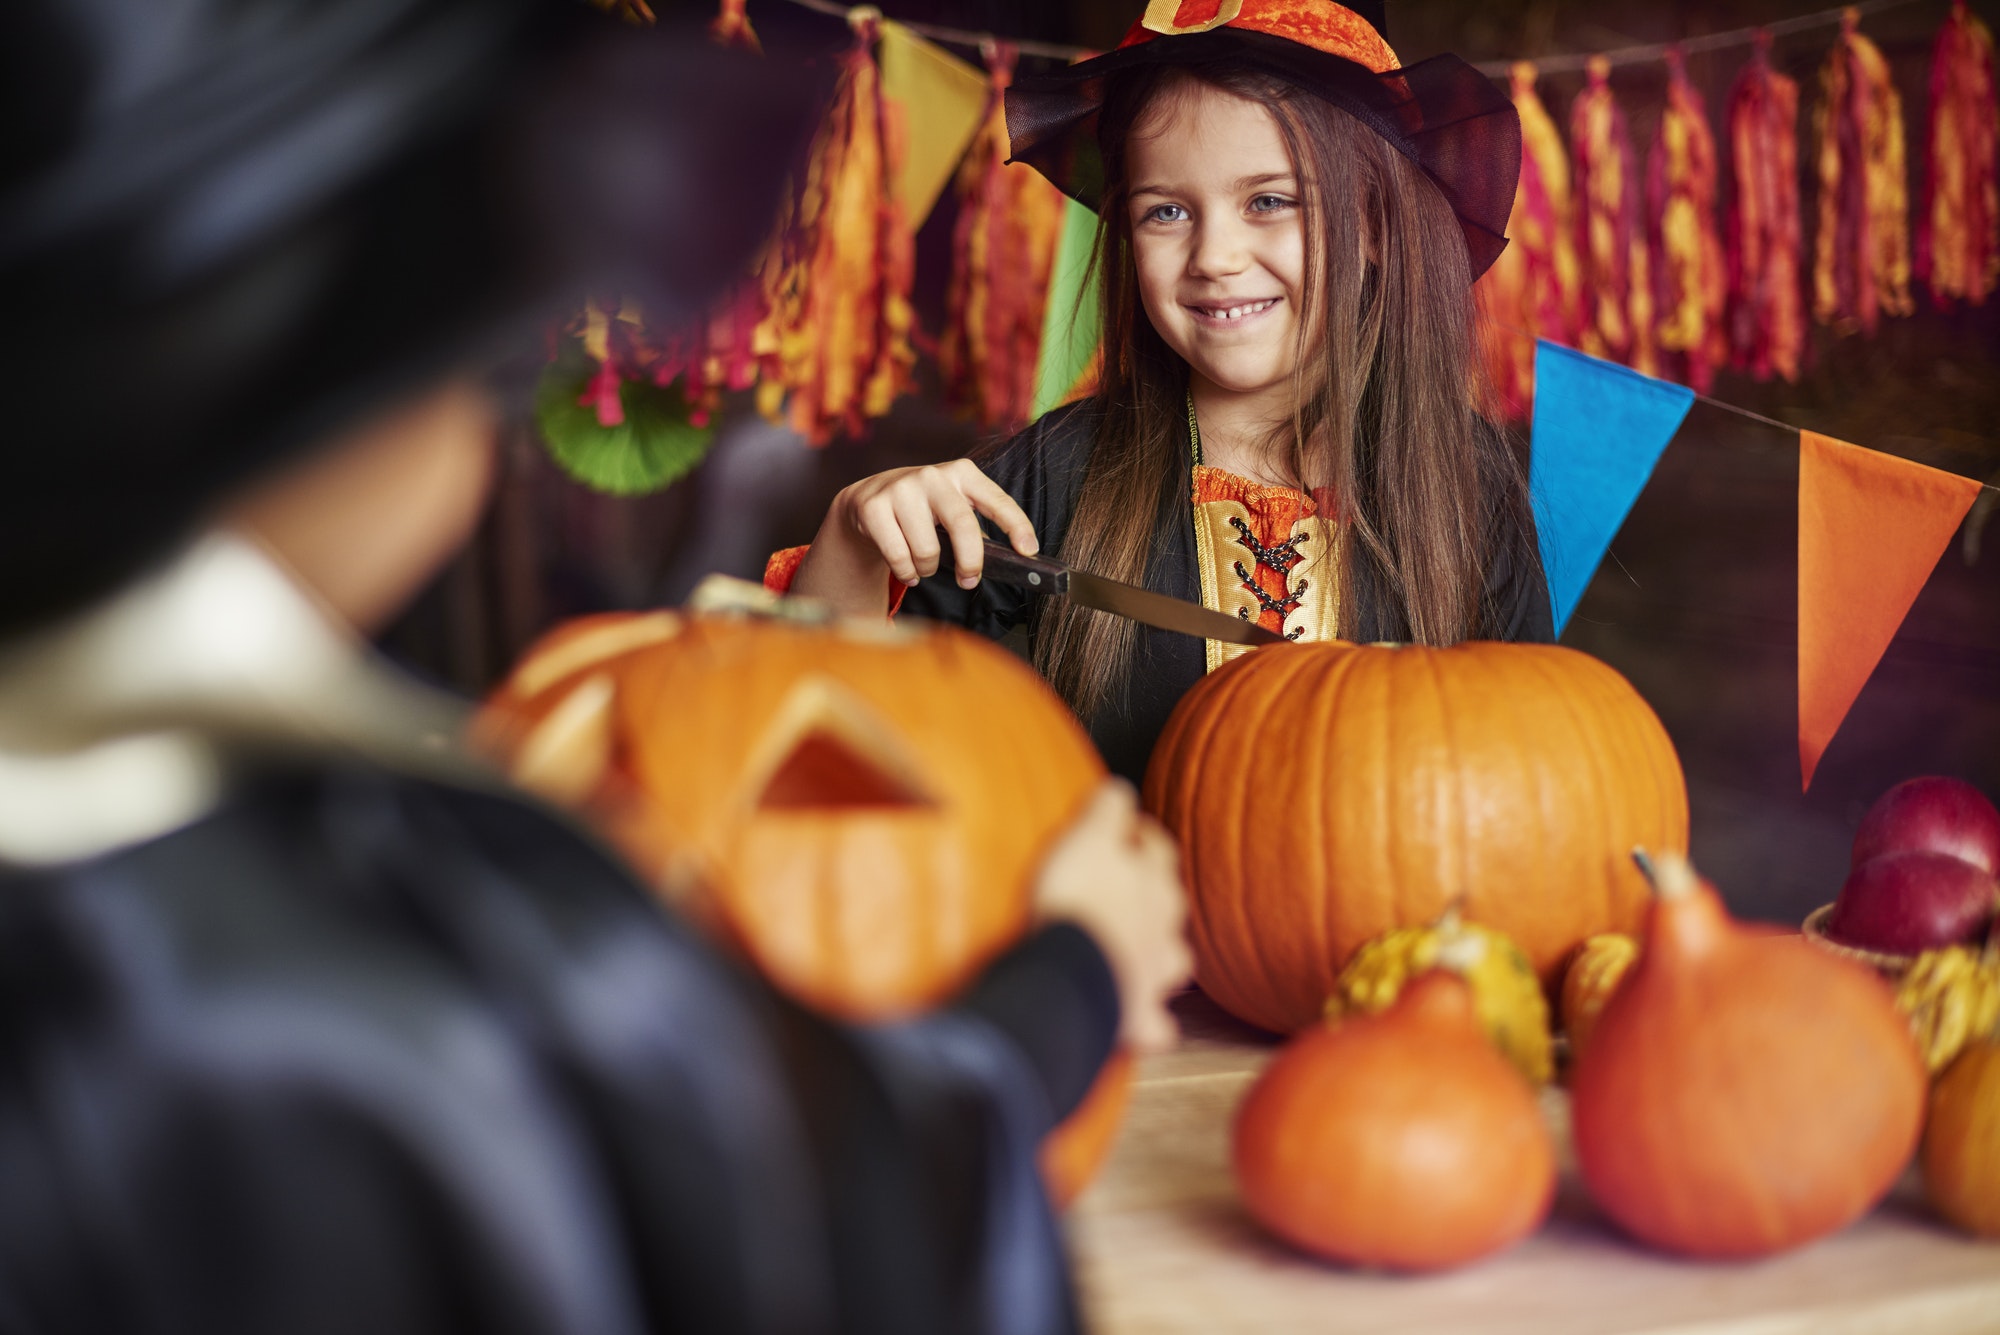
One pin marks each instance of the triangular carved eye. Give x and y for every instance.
(827, 750)
(823, 772)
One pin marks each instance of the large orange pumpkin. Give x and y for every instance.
(859, 808)
(1326, 793)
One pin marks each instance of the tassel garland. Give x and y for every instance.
(834, 344)
(1861, 255)
(1534, 287)
(1689, 279)
(1610, 244)
(1958, 226)
(1767, 326)
(731, 27)
(1003, 247)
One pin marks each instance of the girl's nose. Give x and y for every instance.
(1218, 250)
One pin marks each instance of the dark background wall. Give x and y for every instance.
(1697, 605)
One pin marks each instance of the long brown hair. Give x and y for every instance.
(1386, 414)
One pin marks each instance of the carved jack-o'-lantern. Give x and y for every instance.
(861, 808)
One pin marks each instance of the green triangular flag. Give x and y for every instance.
(1070, 331)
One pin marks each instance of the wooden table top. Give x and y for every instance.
(1162, 1245)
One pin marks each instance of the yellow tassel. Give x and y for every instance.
(1861, 255)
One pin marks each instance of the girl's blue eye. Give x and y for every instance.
(1162, 212)
(1269, 203)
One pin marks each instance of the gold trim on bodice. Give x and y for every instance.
(1265, 554)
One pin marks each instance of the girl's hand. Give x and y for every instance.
(1116, 874)
(890, 521)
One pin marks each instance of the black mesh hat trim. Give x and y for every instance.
(304, 211)
(1441, 114)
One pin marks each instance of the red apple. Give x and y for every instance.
(1907, 902)
(1936, 814)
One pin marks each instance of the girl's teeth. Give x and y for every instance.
(1238, 312)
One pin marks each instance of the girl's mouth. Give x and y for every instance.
(1224, 317)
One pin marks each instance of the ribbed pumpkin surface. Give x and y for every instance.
(1326, 793)
(862, 808)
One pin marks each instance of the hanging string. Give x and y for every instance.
(978, 41)
(1497, 69)
(1711, 402)
(1637, 55)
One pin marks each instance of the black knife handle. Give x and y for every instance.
(1004, 565)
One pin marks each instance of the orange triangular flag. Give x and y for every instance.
(1871, 527)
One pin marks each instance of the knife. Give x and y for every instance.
(1036, 574)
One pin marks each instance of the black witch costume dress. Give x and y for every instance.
(307, 1022)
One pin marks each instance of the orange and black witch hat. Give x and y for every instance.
(1441, 113)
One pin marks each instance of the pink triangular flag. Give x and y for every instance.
(1871, 528)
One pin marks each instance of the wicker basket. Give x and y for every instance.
(1892, 967)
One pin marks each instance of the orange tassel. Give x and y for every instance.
(731, 27)
(1766, 303)
(632, 11)
(835, 342)
(1534, 287)
(1861, 255)
(614, 338)
(1009, 219)
(1610, 245)
(1958, 228)
(1690, 280)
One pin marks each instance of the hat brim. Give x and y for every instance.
(195, 299)
(1441, 113)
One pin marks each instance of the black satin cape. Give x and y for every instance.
(1042, 468)
(359, 1052)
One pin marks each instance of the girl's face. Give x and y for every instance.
(1218, 239)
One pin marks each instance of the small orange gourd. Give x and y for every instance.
(1402, 1140)
(1962, 1143)
(1741, 1093)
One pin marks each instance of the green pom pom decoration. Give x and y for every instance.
(654, 447)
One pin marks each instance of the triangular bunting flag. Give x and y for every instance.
(943, 101)
(1871, 528)
(1598, 430)
(1070, 320)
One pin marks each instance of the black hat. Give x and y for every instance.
(1441, 114)
(229, 227)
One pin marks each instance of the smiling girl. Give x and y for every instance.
(1285, 426)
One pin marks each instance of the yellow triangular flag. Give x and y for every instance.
(943, 101)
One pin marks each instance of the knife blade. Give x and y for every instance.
(1037, 574)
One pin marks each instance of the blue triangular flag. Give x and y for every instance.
(1599, 428)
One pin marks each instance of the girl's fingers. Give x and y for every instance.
(991, 499)
(968, 544)
(876, 517)
(913, 513)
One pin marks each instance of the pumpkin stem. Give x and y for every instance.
(1670, 874)
(1459, 950)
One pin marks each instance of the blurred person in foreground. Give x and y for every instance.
(306, 1023)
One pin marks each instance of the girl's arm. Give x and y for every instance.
(887, 527)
